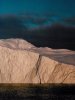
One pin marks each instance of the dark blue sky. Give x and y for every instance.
(62, 7)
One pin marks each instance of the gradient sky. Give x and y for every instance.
(62, 7)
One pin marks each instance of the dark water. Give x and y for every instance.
(37, 92)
